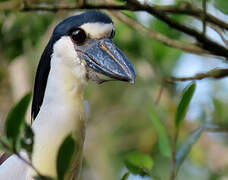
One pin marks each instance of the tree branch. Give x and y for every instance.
(215, 73)
(204, 42)
(189, 9)
(216, 128)
(83, 6)
(220, 33)
(188, 47)
(184, 8)
(204, 4)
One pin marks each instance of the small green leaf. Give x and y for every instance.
(64, 157)
(222, 5)
(184, 103)
(138, 163)
(16, 118)
(125, 176)
(186, 147)
(163, 139)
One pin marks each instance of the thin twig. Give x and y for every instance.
(204, 16)
(159, 94)
(205, 42)
(187, 8)
(22, 159)
(215, 73)
(28, 163)
(174, 149)
(83, 6)
(217, 128)
(220, 33)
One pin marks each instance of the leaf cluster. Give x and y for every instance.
(19, 136)
(141, 164)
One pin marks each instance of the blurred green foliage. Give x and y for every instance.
(222, 5)
(18, 29)
(125, 118)
(18, 139)
(163, 139)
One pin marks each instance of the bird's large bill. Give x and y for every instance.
(103, 57)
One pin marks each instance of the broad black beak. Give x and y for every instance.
(105, 58)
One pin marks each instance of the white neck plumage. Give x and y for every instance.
(62, 111)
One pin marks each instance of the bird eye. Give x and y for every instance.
(78, 36)
(113, 33)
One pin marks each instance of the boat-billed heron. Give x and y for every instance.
(80, 49)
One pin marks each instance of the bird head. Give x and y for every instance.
(88, 37)
(85, 43)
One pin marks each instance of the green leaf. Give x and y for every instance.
(163, 139)
(28, 140)
(184, 103)
(65, 155)
(222, 5)
(16, 119)
(138, 163)
(125, 176)
(186, 147)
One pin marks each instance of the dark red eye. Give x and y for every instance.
(78, 36)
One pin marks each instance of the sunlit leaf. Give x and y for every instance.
(16, 118)
(222, 5)
(163, 139)
(184, 103)
(138, 163)
(125, 176)
(65, 155)
(187, 146)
